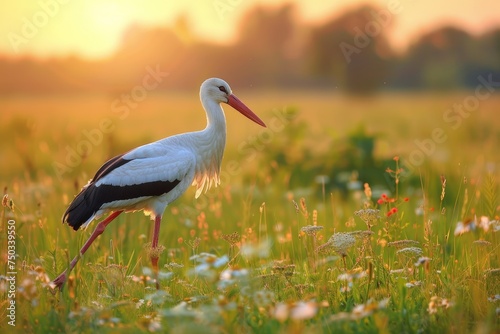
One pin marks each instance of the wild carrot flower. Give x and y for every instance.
(232, 238)
(481, 243)
(402, 243)
(341, 242)
(369, 216)
(154, 251)
(410, 251)
(311, 230)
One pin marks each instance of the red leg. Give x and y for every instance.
(61, 279)
(155, 252)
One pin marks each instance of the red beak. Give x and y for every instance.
(234, 102)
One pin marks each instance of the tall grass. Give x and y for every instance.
(273, 250)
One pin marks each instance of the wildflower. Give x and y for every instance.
(365, 310)
(412, 284)
(385, 199)
(322, 179)
(158, 297)
(8, 202)
(369, 216)
(232, 238)
(410, 251)
(154, 251)
(303, 310)
(368, 191)
(464, 227)
(174, 265)
(422, 260)
(402, 243)
(494, 298)
(139, 303)
(311, 229)
(207, 264)
(495, 224)
(397, 271)
(436, 303)
(341, 242)
(285, 270)
(263, 298)
(361, 235)
(433, 306)
(232, 276)
(352, 275)
(484, 223)
(281, 312)
(492, 271)
(260, 250)
(481, 243)
(391, 212)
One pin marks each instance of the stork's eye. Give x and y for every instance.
(222, 89)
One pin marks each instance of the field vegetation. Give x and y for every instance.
(348, 214)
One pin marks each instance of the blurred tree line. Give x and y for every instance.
(350, 52)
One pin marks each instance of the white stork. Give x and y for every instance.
(152, 176)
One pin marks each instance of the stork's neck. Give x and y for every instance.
(209, 146)
(216, 120)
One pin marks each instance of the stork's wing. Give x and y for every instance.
(148, 171)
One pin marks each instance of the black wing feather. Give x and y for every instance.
(92, 197)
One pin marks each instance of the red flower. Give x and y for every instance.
(391, 212)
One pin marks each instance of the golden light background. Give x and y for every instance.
(94, 29)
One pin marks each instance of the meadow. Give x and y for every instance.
(375, 214)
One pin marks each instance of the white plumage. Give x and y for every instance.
(151, 176)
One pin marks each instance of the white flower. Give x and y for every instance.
(304, 310)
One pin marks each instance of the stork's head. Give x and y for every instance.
(219, 91)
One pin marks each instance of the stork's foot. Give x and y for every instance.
(59, 281)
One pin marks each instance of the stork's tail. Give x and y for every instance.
(82, 209)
